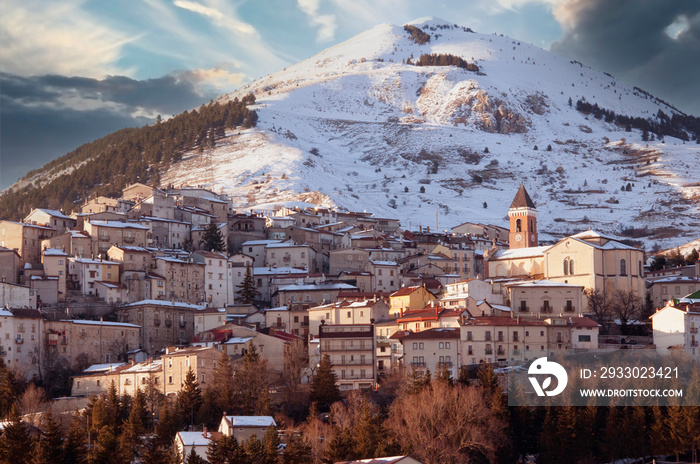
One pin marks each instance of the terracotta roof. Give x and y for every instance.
(522, 199)
(405, 291)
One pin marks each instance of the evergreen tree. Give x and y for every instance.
(247, 289)
(49, 449)
(213, 239)
(133, 428)
(9, 389)
(154, 453)
(297, 451)
(194, 458)
(74, 451)
(271, 446)
(339, 447)
(168, 425)
(254, 450)
(189, 399)
(15, 442)
(324, 389)
(106, 450)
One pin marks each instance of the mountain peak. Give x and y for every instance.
(428, 21)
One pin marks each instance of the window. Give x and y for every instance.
(584, 338)
(420, 346)
(518, 225)
(98, 383)
(515, 336)
(569, 306)
(170, 379)
(488, 349)
(545, 306)
(488, 335)
(348, 314)
(470, 350)
(469, 335)
(415, 345)
(623, 267)
(523, 306)
(500, 335)
(442, 345)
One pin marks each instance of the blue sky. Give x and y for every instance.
(75, 70)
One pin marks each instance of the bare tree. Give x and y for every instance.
(32, 402)
(447, 425)
(598, 305)
(627, 307)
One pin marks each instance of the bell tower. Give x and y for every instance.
(523, 221)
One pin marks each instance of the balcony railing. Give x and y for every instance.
(489, 352)
(693, 343)
(103, 238)
(445, 364)
(501, 352)
(693, 330)
(524, 309)
(129, 239)
(569, 309)
(545, 309)
(417, 364)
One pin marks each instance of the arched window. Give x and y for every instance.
(623, 267)
(571, 267)
(532, 225)
(518, 225)
(566, 266)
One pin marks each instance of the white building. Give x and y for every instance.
(676, 327)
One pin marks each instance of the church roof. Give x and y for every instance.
(522, 199)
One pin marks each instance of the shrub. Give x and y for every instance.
(416, 35)
(422, 189)
(445, 59)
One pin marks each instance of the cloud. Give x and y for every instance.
(651, 44)
(46, 116)
(326, 22)
(226, 20)
(39, 37)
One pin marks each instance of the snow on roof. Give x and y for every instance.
(259, 242)
(117, 224)
(277, 270)
(54, 252)
(172, 304)
(103, 367)
(384, 263)
(93, 261)
(518, 253)
(285, 245)
(146, 366)
(170, 259)
(53, 212)
(86, 322)
(250, 421)
(542, 283)
(310, 287)
(238, 340)
(194, 438)
(279, 308)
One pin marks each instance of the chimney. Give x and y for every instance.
(205, 434)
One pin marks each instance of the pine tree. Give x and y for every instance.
(213, 239)
(15, 442)
(74, 451)
(324, 389)
(194, 458)
(339, 447)
(49, 449)
(154, 453)
(189, 399)
(271, 446)
(254, 450)
(168, 425)
(133, 428)
(247, 290)
(106, 450)
(297, 451)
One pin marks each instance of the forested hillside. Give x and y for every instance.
(107, 165)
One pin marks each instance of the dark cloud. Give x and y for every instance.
(44, 117)
(628, 38)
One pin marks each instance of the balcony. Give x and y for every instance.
(103, 238)
(488, 352)
(19, 340)
(417, 364)
(168, 323)
(693, 330)
(287, 259)
(501, 352)
(545, 309)
(694, 344)
(445, 364)
(524, 309)
(569, 309)
(129, 239)
(20, 329)
(182, 324)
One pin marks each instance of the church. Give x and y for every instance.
(587, 260)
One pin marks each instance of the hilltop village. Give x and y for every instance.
(153, 287)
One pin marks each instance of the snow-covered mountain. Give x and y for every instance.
(357, 127)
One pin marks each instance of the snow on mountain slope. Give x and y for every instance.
(356, 127)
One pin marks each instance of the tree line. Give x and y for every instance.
(434, 418)
(444, 59)
(107, 165)
(679, 125)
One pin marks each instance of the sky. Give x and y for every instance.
(72, 71)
